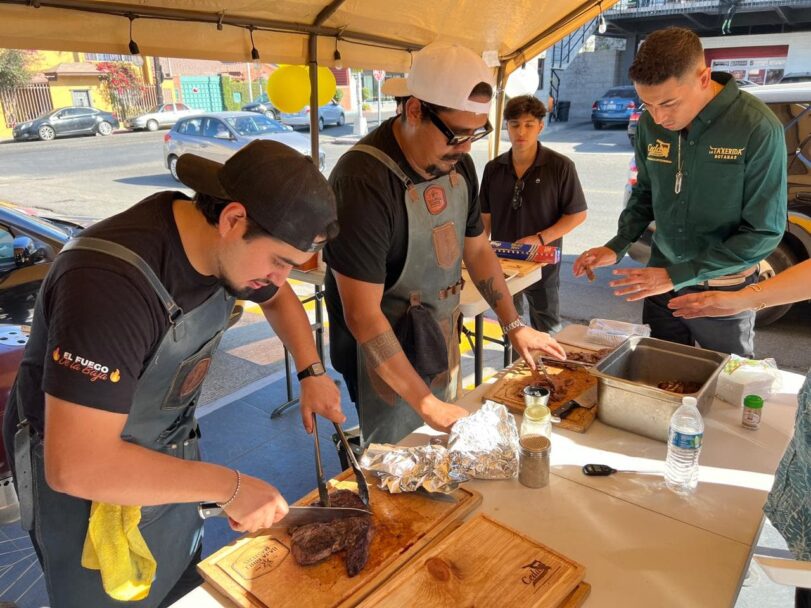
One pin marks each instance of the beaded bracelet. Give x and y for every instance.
(222, 505)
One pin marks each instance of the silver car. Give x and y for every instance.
(218, 135)
(163, 115)
(329, 114)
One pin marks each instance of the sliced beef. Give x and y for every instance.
(313, 543)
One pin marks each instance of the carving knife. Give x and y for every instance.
(587, 399)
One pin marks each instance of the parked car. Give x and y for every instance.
(74, 120)
(28, 245)
(218, 135)
(162, 115)
(791, 103)
(331, 113)
(795, 77)
(633, 121)
(615, 107)
(262, 105)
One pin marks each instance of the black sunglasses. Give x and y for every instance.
(518, 194)
(455, 139)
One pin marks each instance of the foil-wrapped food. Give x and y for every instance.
(483, 445)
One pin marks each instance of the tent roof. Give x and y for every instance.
(371, 33)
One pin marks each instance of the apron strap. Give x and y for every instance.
(115, 250)
(391, 165)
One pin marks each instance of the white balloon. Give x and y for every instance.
(523, 81)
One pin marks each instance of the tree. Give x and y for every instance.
(14, 70)
(122, 87)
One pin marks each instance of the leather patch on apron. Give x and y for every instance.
(195, 377)
(446, 245)
(435, 199)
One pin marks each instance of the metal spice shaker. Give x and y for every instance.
(533, 462)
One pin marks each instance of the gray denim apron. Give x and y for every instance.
(432, 276)
(161, 418)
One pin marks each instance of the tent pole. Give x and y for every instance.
(314, 133)
(500, 78)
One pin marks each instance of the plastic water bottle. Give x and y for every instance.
(683, 447)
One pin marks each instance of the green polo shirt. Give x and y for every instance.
(731, 211)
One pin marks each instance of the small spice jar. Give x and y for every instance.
(537, 420)
(533, 461)
(752, 411)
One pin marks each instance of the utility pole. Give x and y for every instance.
(157, 72)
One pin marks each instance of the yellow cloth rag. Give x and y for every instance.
(115, 546)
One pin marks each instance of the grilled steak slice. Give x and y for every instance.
(313, 543)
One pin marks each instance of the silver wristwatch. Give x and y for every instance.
(512, 325)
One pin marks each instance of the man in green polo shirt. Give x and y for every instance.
(712, 175)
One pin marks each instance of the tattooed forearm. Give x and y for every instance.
(381, 348)
(490, 294)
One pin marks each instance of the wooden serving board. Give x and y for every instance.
(258, 571)
(482, 563)
(510, 383)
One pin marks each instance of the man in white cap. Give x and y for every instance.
(409, 215)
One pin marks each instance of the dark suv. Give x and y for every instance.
(791, 103)
(262, 105)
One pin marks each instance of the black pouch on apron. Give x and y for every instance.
(23, 474)
(422, 341)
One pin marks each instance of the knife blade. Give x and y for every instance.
(296, 516)
(586, 399)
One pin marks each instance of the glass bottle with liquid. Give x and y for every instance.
(537, 420)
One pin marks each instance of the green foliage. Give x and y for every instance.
(366, 93)
(14, 70)
(231, 86)
(339, 95)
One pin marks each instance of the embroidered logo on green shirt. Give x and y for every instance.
(659, 152)
(720, 153)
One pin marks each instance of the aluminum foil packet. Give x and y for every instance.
(401, 469)
(484, 445)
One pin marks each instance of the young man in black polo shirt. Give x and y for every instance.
(531, 194)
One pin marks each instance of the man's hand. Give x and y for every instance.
(320, 395)
(640, 283)
(526, 340)
(530, 240)
(709, 304)
(440, 415)
(257, 505)
(590, 259)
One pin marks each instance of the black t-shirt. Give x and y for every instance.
(551, 189)
(373, 240)
(102, 319)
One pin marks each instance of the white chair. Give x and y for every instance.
(792, 572)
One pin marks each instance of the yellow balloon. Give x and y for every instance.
(289, 88)
(326, 86)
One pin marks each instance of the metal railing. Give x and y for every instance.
(25, 103)
(563, 52)
(629, 8)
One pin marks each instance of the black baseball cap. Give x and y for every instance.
(282, 190)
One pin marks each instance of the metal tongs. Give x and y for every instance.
(323, 495)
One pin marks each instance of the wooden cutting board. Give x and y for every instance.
(258, 571)
(482, 563)
(510, 383)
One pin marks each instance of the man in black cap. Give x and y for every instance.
(123, 334)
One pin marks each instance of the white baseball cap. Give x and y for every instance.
(445, 75)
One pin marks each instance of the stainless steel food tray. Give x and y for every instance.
(627, 393)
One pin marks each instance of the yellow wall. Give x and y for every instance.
(62, 87)
(43, 60)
